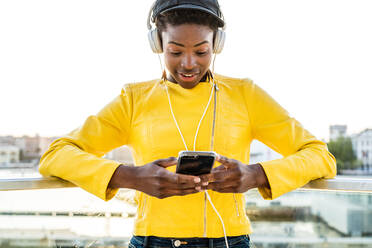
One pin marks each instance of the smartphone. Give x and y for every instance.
(195, 162)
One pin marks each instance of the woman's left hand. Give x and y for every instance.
(232, 176)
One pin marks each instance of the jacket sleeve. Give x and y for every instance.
(305, 158)
(77, 157)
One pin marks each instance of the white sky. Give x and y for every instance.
(61, 61)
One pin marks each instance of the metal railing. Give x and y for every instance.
(344, 184)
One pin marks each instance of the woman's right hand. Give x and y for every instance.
(155, 180)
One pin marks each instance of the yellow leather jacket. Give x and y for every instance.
(140, 117)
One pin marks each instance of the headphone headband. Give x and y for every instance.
(155, 40)
(149, 27)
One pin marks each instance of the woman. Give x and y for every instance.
(189, 108)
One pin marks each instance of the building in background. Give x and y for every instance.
(121, 154)
(9, 154)
(361, 143)
(23, 150)
(30, 147)
(260, 153)
(362, 146)
(7, 140)
(44, 143)
(336, 131)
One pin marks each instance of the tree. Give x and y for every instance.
(342, 149)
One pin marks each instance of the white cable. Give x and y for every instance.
(161, 64)
(201, 119)
(205, 111)
(195, 137)
(184, 142)
(174, 118)
(214, 59)
(206, 192)
(219, 216)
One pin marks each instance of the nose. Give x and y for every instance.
(188, 62)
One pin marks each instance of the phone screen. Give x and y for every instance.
(195, 165)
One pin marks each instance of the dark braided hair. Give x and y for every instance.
(185, 16)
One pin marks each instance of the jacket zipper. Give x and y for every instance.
(212, 147)
(236, 205)
(205, 215)
(143, 206)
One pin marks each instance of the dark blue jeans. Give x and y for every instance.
(157, 242)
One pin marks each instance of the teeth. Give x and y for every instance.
(188, 75)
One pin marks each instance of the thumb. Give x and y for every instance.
(218, 168)
(226, 162)
(166, 162)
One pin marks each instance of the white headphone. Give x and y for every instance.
(155, 40)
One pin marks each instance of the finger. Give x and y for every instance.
(227, 162)
(166, 162)
(221, 159)
(220, 185)
(222, 175)
(175, 192)
(218, 157)
(217, 175)
(219, 168)
(207, 178)
(177, 181)
(184, 181)
(228, 190)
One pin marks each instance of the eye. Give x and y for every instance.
(201, 53)
(175, 53)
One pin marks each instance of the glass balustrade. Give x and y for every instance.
(36, 212)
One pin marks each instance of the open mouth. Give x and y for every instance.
(187, 76)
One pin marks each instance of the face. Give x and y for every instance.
(188, 50)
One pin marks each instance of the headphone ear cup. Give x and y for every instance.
(219, 41)
(154, 40)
